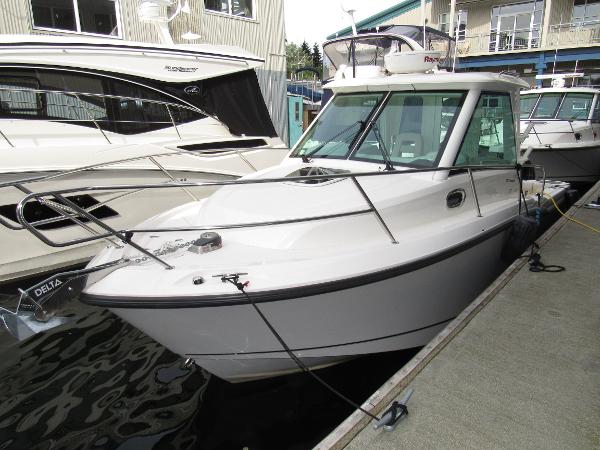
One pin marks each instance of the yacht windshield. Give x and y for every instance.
(575, 106)
(547, 106)
(411, 129)
(528, 101)
(338, 127)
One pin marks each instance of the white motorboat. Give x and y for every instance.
(84, 111)
(562, 127)
(388, 217)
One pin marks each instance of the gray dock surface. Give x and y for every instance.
(519, 370)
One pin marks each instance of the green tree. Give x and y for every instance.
(305, 49)
(317, 59)
(296, 58)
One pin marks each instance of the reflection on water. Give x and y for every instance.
(97, 382)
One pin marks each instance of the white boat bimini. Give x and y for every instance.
(388, 217)
(562, 127)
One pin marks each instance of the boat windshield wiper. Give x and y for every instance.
(382, 147)
(306, 157)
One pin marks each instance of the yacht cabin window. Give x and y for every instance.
(527, 104)
(490, 138)
(80, 16)
(338, 127)
(575, 106)
(410, 128)
(557, 105)
(237, 8)
(88, 100)
(596, 115)
(547, 106)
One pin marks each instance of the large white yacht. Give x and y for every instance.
(85, 111)
(563, 131)
(388, 217)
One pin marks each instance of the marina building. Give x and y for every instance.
(255, 25)
(531, 37)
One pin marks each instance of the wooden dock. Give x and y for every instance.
(519, 368)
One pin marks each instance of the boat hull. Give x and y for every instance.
(405, 309)
(571, 164)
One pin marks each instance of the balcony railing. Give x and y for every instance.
(499, 41)
(559, 36)
(573, 35)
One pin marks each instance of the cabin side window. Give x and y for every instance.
(87, 100)
(490, 138)
(596, 115)
(19, 97)
(80, 16)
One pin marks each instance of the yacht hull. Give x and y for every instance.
(571, 164)
(400, 308)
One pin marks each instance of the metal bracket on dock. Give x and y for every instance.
(394, 413)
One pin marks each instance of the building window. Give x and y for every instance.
(586, 12)
(80, 16)
(460, 24)
(516, 26)
(237, 8)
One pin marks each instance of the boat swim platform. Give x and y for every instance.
(518, 368)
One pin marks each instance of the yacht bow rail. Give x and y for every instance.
(68, 210)
(531, 123)
(24, 185)
(71, 107)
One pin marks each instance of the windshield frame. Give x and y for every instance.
(383, 95)
(374, 115)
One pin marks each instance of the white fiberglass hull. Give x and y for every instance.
(395, 309)
(571, 163)
(24, 255)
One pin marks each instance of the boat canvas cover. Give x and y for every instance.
(436, 40)
(235, 99)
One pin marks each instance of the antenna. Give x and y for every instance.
(557, 43)
(350, 7)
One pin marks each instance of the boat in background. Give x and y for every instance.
(80, 111)
(561, 130)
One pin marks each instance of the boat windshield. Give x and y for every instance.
(527, 104)
(557, 105)
(411, 129)
(575, 106)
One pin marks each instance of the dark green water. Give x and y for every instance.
(99, 383)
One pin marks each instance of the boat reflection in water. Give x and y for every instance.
(98, 382)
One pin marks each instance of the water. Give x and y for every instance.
(98, 382)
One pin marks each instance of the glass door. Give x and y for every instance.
(516, 26)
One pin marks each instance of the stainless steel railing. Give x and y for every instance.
(531, 123)
(71, 211)
(74, 109)
(25, 185)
